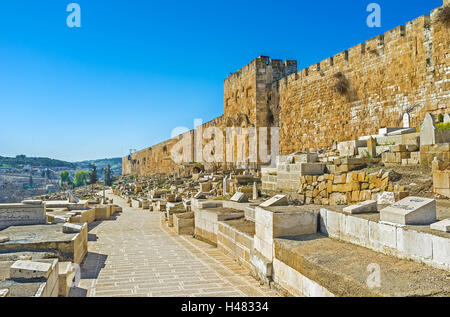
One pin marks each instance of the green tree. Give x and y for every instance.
(81, 178)
(108, 176)
(65, 178)
(93, 177)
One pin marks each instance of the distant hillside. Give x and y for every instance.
(116, 165)
(21, 161)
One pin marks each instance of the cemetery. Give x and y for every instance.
(354, 202)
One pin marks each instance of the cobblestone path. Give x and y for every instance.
(133, 255)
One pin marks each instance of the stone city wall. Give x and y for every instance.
(403, 71)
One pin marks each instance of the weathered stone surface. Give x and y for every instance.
(410, 211)
(71, 228)
(30, 270)
(278, 200)
(443, 225)
(385, 198)
(239, 197)
(362, 207)
(21, 214)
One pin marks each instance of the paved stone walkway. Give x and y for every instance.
(133, 255)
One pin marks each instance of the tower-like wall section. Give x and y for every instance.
(406, 70)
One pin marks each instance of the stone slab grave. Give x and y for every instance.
(278, 200)
(362, 207)
(443, 225)
(239, 197)
(410, 211)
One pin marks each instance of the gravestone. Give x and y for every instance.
(239, 198)
(443, 225)
(71, 228)
(224, 184)
(428, 131)
(30, 270)
(372, 147)
(255, 191)
(447, 118)
(72, 198)
(406, 120)
(278, 200)
(385, 198)
(410, 211)
(363, 207)
(200, 195)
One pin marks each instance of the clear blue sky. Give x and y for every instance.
(137, 69)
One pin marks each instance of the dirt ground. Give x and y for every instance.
(418, 178)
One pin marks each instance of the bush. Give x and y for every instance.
(441, 118)
(443, 15)
(443, 126)
(342, 85)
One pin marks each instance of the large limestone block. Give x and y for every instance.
(410, 211)
(66, 274)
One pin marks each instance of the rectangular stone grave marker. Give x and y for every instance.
(443, 225)
(385, 198)
(30, 270)
(278, 200)
(365, 206)
(239, 197)
(71, 228)
(410, 211)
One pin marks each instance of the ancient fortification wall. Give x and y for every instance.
(406, 70)
(403, 71)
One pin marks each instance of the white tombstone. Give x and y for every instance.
(428, 131)
(278, 200)
(255, 191)
(239, 198)
(385, 198)
(406, 122)
(72, 198)
(224, 184)
(71, 228)
(363, 207)
(443, 225)
(447, 118)
(30, 269)
(410, 211)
